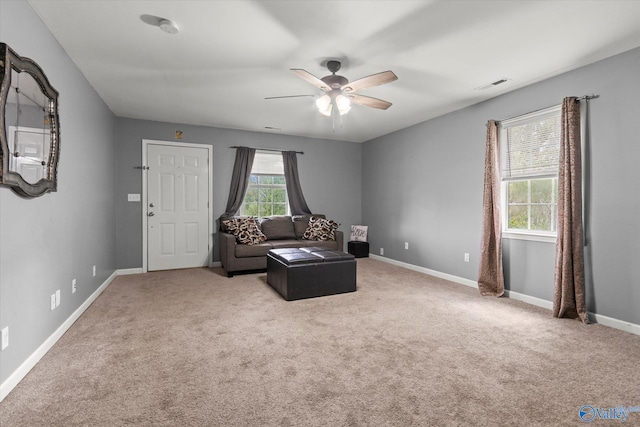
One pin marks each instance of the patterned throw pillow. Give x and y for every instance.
(321, 229)
(245, 229)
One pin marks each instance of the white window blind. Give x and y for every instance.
(268, 163)
(530, 144)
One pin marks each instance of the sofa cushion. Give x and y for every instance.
(245, 251)
(326, 244)
(287, 243)
(301, 222)
(321, 229)
(277, 227)
(245, 229)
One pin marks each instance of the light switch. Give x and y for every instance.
(133, 197)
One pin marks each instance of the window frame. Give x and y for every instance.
(526, 234)
(254, 183)
(529, 234)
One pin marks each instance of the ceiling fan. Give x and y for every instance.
(340, 93)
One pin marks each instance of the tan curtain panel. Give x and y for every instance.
(568, 295)
(490, 275)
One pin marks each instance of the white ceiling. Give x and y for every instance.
(229, 55)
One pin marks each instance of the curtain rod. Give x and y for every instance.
(581, 98)
(587, 97)
(266, 149)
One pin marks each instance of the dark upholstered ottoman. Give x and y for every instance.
(310, 272)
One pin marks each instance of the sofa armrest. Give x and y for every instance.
(339, 240)
(227, 248)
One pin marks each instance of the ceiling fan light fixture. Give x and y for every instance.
(339, 92)
(324, 105)
(343, 103)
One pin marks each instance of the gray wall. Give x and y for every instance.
(330, 175)
(424, 185)
(48, 241)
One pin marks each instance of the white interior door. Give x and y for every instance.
(177, 207)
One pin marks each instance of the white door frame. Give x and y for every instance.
(145, 205)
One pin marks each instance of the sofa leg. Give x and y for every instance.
(229, 274)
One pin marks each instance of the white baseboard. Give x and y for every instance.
(17, 376)
(539, 302)
(450, 277)
(615, 323)
(126, 271)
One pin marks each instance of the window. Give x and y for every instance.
(529, 155)
(267, 191)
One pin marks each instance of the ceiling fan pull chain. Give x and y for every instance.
(334, 113)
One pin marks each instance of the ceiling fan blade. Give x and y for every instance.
(370, 81)
(289, 96)
(369, 101)
(310, 78)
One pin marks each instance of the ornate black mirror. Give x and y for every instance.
(29, 126)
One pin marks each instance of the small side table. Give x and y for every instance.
(358, 249)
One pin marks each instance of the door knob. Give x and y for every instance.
(150, 214)
(151, 205)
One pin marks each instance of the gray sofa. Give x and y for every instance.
(281, 232)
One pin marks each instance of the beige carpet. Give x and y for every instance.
(195, 348)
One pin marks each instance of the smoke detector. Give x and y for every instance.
(168, 26)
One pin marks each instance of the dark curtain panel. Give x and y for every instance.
(239, 180)
(568, 295)
(296, 199)
(490, 275)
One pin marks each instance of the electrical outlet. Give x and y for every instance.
(5, 338)
(94, 271)
(53, 302)
(381, 251)
(406, 245)
(466, 257)
(73, 286)
(58, 297)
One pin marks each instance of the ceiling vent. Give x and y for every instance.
(494, 84)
